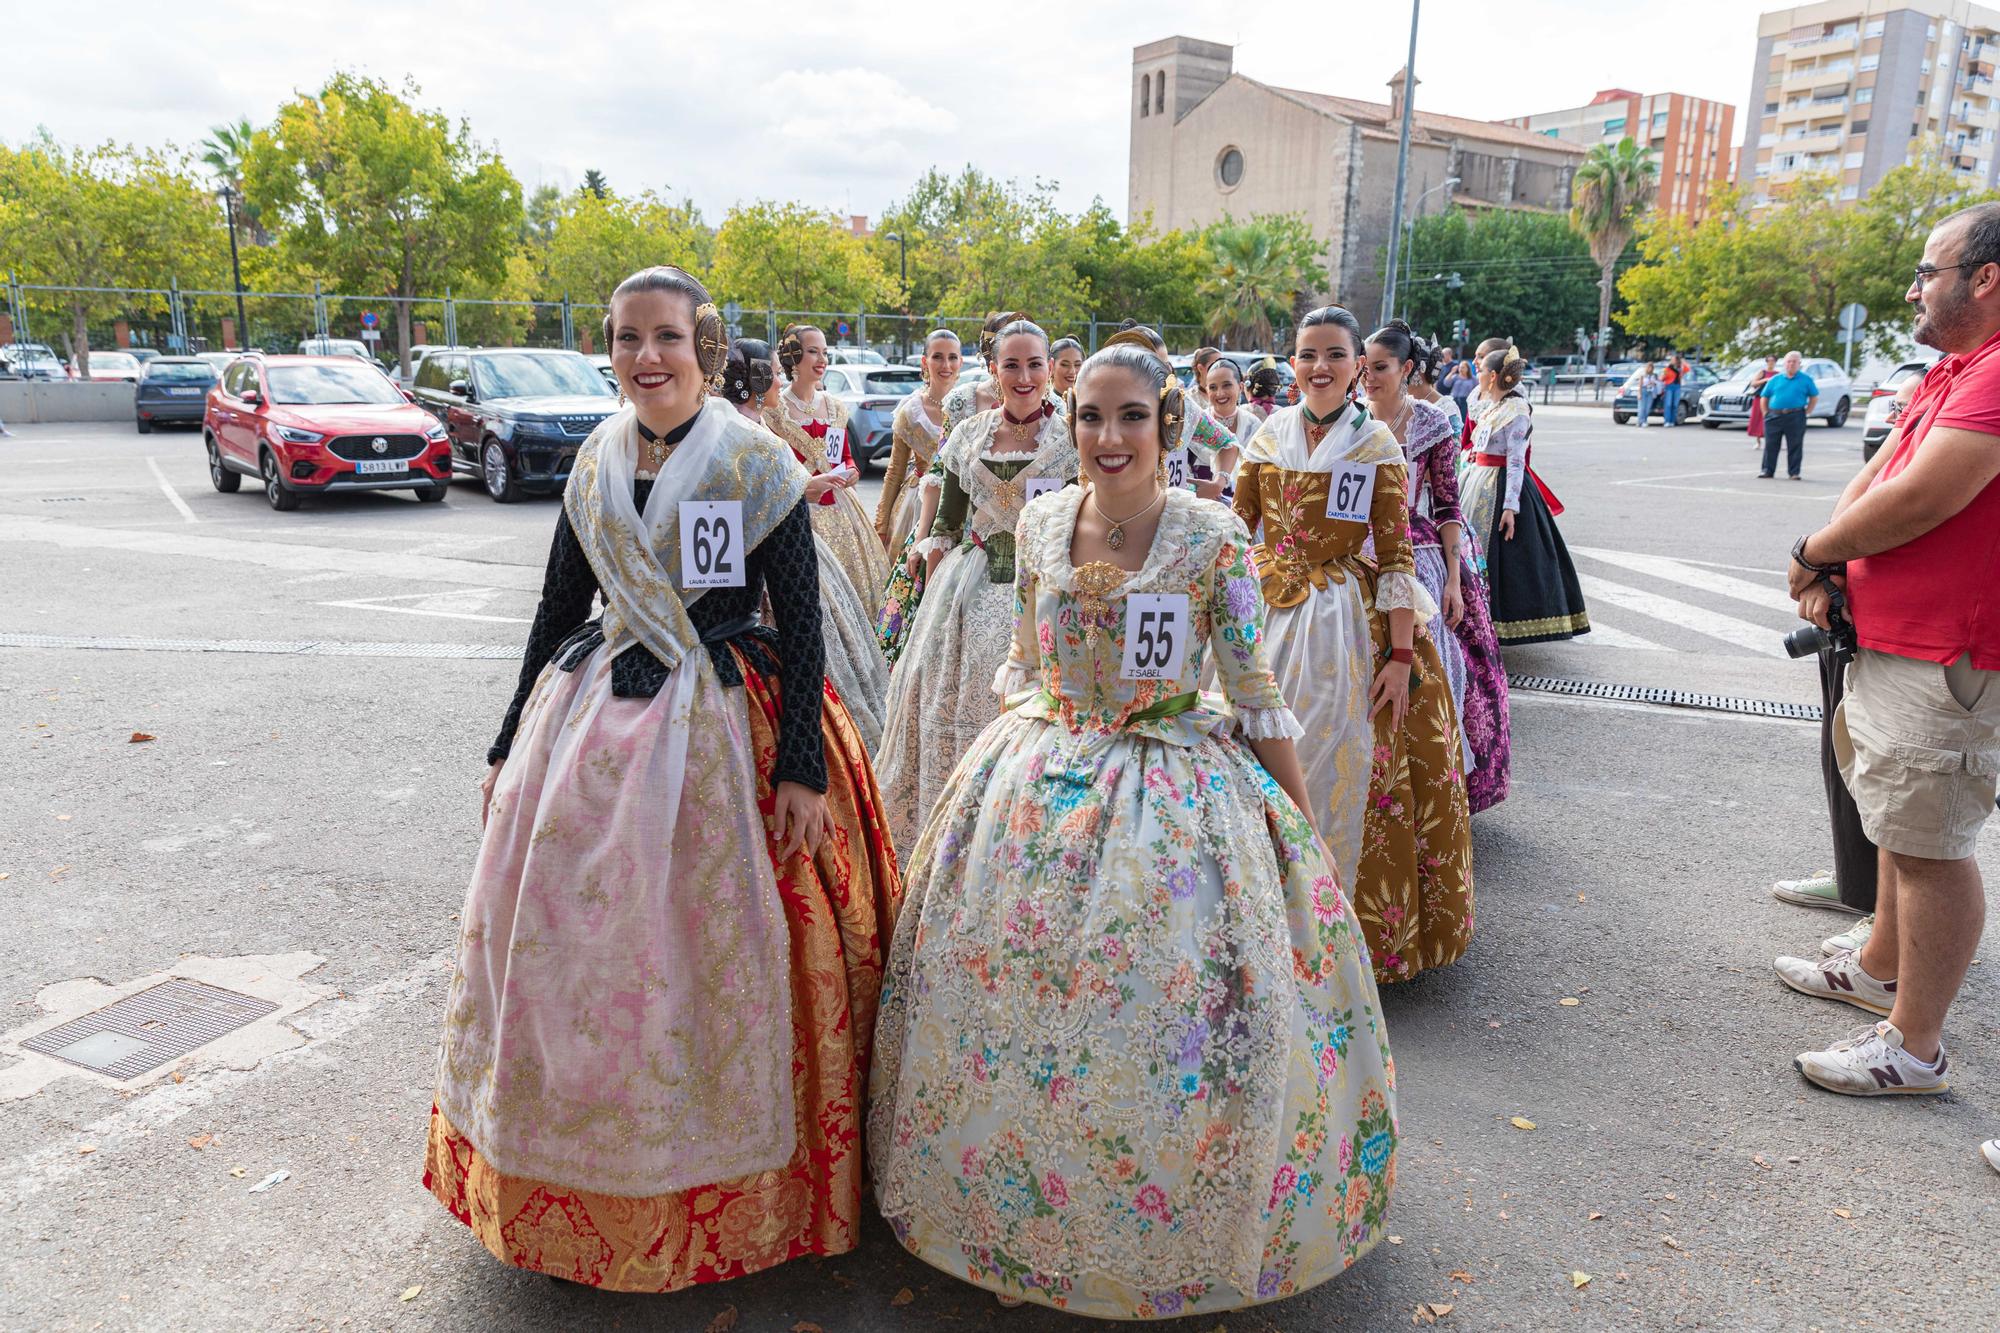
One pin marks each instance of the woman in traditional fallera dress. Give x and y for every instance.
(918, 432)
(657, 1033)
(814, 423)
(939, 700)
(1397, 361)
(1065, 360)
(1130, 1061)
(854, 663)
(1381, 749)
(981, 395)
(1530, 580)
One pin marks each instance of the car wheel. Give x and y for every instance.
(432, 494)
(1621, 418)
(1710, 425)
(145, 426)
(1839, 417)
(496, 476)
(219, 476)
(282, 497)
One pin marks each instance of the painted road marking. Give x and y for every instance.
(1756, 638)
(173, 496)
(466, 604)
(1685, 573)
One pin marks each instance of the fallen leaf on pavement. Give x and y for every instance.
(58, 872)
(86, 1149)
(1441, 1310)
(64, 818)
(1395, 1240)
(1843, 1212)
(903, 1297)
(3, 874)
(1595, 1216)
(1759, 1160)
(1578, 1281)
(140, 738)
(1670, 1242)
(1581, 898)
(410, 1293)
(179, 1077)
(1522, 1122)
(723, 1322)
(1569, 1002)
(1460, 1275)
(200, 1141)
(238, 1172)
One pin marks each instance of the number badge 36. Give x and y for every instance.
(711, 543)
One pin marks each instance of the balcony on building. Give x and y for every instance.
(1807, 107)
(1821, 80)
(1844, 38)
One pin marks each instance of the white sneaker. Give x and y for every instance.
(1849, 940)
(1813, 891)
(1838, 978)
(1873, 1063)
(1990, 1150)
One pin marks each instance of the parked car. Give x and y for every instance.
(1875, 426)
(418, 351)
(336, 347)
(220, 360)
(33, 361)
(307, 425)
(1625, 406)
(1728, 403)
(855, 356)
(110, 367)
(872, 393)
(603, 364)
(146, 354)
(515, 416)
(174, 388)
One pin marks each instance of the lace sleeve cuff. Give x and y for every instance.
(941, 545)
(1402, 592)
(932, 481)
(1011, 679)
(1268, 724)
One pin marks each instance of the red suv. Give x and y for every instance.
(308, 424)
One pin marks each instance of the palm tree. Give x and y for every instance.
(224, 151)
(1612, 188)
(593, 181)
(1259, 266)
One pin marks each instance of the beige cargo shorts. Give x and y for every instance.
(1919, 747)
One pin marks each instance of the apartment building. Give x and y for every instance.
(1855, 88)
(1691, 139)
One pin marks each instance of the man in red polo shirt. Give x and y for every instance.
(1917, 537)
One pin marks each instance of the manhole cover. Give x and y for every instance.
(144, 1031)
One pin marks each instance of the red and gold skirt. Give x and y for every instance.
(840, 905)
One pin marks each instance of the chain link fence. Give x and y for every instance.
(176, 321)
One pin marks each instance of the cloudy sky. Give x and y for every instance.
(840, 105)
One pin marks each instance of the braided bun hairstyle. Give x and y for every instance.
(711, 338)
(747, 375)
(1508, 366)
(989, 332)
(792, 347)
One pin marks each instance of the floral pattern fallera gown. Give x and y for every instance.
(1130, 1061)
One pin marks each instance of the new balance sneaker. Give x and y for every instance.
(1990, 1150)
(1849, 940)
(1873, 1063)
(1838, 978)
(1814, 891)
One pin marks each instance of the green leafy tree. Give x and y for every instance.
(977, 244)
(1257, 268)
(105, 217)
(597, 242)
(1137, 272)
(1610, 193)
(595, 184)
(1526, 276)
(792, 257)
(379, 196)
(223, 151)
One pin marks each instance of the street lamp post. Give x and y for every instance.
(903, 279)
(1410, 227)
(228, 193)
(1402, 167)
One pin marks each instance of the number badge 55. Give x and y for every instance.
(711, 543)
(1156, 634)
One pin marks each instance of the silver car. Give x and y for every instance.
(872, 394)
(1728, 403)
(1876, 426)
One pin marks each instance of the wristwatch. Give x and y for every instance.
(1799, 558)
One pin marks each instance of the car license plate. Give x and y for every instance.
(370, 466)
(183, 393)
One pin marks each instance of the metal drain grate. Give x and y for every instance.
(1649, 694)
(62, 499)
(281, 647)
(144, 1031)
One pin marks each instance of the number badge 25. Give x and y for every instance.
(711, 543)
(1156, 635)
(1350, 491)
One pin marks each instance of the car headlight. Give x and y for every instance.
(536, 430)
(293, 435)
(434, 432)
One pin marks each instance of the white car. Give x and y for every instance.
(353, 347)
(1875, 427)
(114, 366)
(1728, 403)
(855, 356)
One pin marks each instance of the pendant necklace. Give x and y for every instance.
(1115, 538)
(1023, 430)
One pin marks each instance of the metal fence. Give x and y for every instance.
(177, 320)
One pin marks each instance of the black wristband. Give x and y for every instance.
(1799, 558)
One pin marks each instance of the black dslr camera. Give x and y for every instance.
(1809, 639)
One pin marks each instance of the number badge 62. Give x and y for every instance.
(711, 543)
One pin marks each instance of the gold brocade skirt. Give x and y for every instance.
(840, 907)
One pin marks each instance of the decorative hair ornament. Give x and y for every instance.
(711, 343)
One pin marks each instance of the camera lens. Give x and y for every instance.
(1807, 640)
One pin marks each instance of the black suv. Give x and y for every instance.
(515, 415)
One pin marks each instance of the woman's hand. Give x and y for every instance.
(915, 564)
(1208, 490)
(1507, 524)
(801, 819)
(817, 488)
(1391, 687)
(847, 475)
(931, 563)
(1454, 600)
(486, 789)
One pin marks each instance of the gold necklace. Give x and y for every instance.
(1115, 538)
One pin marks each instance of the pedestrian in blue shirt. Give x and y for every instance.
(1788, 400)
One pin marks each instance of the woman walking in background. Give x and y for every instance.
(1756, 426)
(657, 1034)
(1065, 360)
(1529, 577)
(918, 432)
(1381, 748)
(1130, 1061)
(814, 423)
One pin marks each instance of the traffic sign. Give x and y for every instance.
(368, 320)
(841, 328)
(1853, 315)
